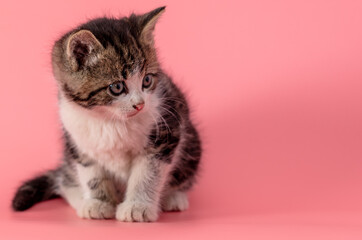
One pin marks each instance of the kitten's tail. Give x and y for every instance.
(35, 190)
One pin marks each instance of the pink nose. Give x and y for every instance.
(139, 106)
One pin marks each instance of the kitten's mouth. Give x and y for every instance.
(132, 113)
(138, 108)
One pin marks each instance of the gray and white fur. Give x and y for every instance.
(130, 149)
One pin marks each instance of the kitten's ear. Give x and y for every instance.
(82, 49)
(148, 22)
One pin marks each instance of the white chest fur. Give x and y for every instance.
(112, 143)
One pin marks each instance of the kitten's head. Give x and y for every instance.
(109, 65)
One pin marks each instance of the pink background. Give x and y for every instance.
(276, 90)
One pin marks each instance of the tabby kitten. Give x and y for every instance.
(130, 149)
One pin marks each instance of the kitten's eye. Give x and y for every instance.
(147, 81)
(116, 88)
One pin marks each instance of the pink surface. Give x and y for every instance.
(276, 90)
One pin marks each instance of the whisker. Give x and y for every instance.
(179, 100)
(178, 120)
(157, 127)
(168, 127)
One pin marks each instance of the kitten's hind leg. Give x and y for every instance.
(73, 195)
(175, 201)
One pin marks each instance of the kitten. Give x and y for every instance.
(130, 149)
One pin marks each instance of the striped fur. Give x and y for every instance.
(119, 160)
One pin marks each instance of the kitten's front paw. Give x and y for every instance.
(136, 212)
(96, 209)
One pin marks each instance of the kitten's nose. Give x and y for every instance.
(139, 106)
